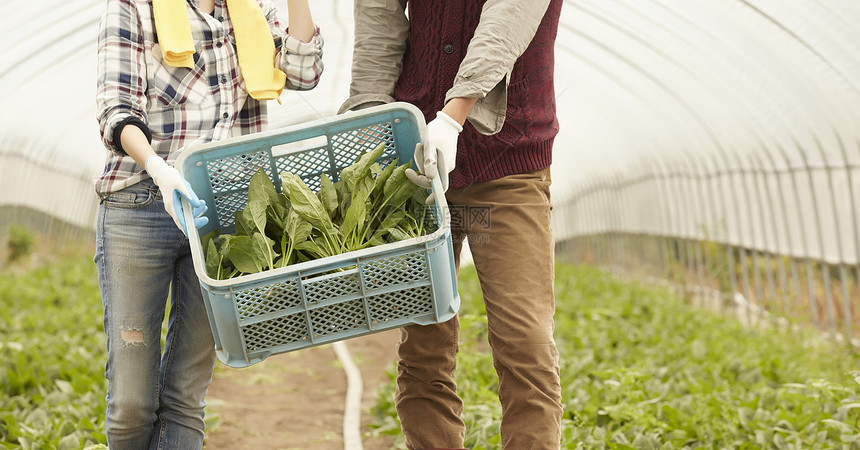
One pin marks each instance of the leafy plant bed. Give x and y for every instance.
(51, 346)
(52, 358)
(640, 369)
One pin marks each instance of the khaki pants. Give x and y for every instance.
(508, 221)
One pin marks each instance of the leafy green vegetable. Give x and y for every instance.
(305, 202)
(355, 217)
(262, 190)
(243, 255)
(359, 170)
(328, 195)
(369, 205)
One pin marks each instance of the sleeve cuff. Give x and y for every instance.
(488, 113)
(117, 132)
(362, 101)
(294, 45)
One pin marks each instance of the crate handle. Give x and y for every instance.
(299, 146)
(193, 238)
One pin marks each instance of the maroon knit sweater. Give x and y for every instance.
(439, 35)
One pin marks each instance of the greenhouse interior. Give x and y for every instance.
(705, 177)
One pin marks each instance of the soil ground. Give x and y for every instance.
(295, 400)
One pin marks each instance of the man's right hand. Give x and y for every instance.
(439, 155)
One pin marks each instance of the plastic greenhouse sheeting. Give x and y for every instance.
(730, 120)
(50, 149)
(714, 118)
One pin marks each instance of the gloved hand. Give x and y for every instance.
(439, 155)
(173, 186)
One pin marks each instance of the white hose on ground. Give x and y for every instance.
(352, 405)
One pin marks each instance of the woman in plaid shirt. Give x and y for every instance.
(149, 111)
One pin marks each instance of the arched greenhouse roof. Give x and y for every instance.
(643, 87)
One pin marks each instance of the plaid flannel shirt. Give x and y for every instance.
(182, 106)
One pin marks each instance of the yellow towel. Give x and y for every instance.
(174, 32)
(256, 50)
(254, 43)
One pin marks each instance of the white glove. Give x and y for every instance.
(172, 186)
(439, 155)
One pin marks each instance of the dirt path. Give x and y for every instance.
(295, 400)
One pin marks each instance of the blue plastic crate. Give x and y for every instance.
(329, 299)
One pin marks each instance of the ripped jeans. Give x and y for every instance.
(155, 400)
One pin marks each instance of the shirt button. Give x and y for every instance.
(449, 48)
(223, 79)
(221, 19)
(218, 44)
(225, 115)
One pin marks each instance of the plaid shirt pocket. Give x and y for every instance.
(171, 86)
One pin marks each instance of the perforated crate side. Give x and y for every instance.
(346, 146)
(229, 178)
(391, 308)
(338, 318)
(308, 165)
(262, 300)
(287, 330)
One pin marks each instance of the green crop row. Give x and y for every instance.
(641, 369)
(52, 358)
(52, 386)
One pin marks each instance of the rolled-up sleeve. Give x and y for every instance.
(505, 30)
(121, 90)
(301, 61)
(381, 30)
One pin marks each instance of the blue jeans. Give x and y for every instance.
(155, 400)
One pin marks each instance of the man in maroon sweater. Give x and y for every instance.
(481, 71)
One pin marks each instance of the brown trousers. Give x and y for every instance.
(507, 222)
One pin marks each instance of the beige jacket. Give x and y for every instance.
(505, 30)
